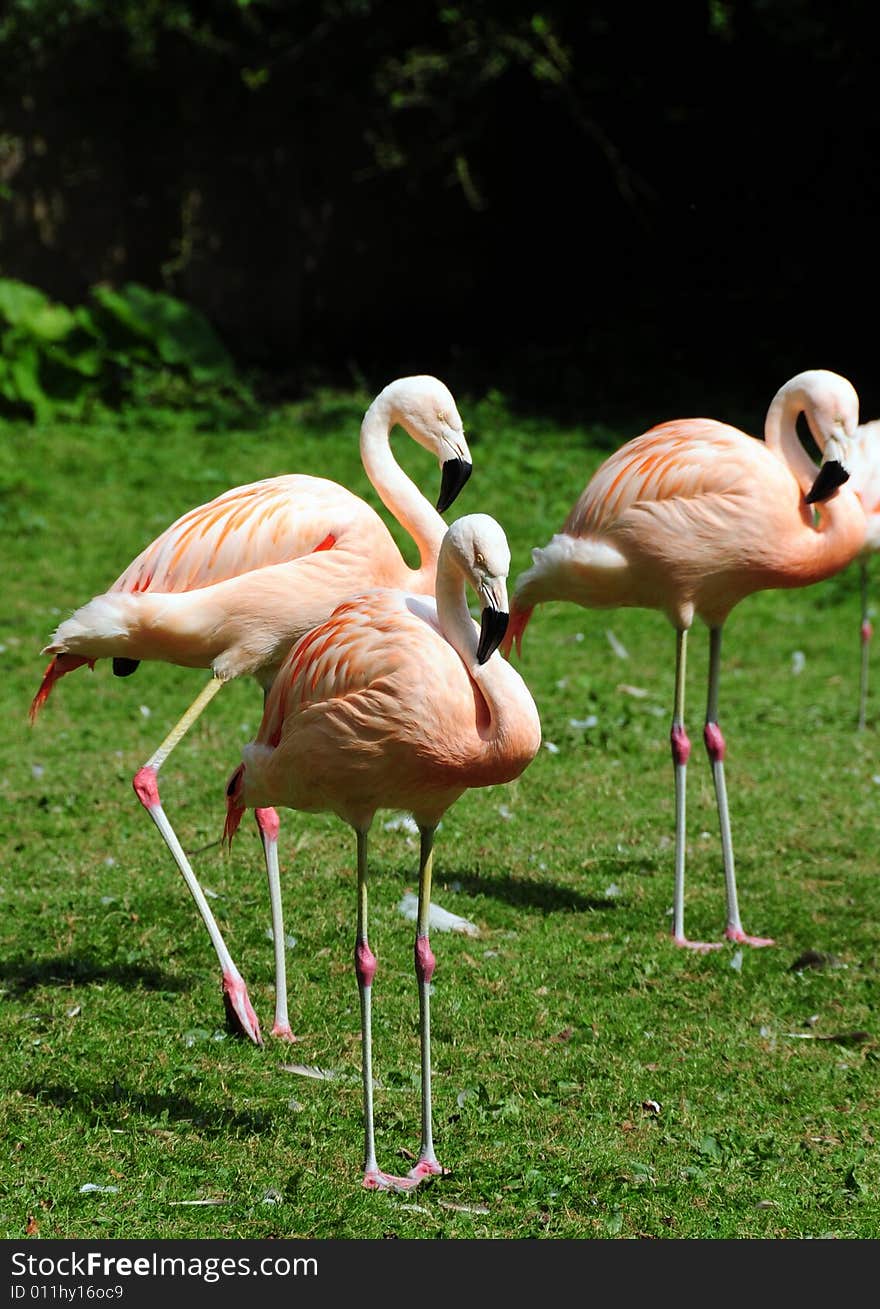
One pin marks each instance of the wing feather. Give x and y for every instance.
(685, 460)
(254, 526)
(365, 640)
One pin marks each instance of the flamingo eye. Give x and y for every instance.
(480, 561)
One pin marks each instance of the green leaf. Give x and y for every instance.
(181, 335)
(24, 372)
(49, 322)
(119, 308)
(18, 301)
(89, 360)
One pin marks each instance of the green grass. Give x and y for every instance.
(554, 1030)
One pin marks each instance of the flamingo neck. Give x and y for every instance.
(838, 537)
(490, 679)
(398, 493)
(453, 614)
(781, 435)
(538, 584)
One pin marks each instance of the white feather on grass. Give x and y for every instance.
(616, 644)
(441, 920)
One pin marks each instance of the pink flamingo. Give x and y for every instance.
(866, 484)
(234, 583)
(397, 703)
(690, 518)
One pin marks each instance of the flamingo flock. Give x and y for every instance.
(233, 584)
(379, 690)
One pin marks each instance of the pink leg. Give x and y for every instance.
(867, 632)
(681, 751)
(268, 823)
(427, 1165)
(715, 748)
(239, 1010)
(365, 971)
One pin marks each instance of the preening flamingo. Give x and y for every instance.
(233, 584)
(866, 484)
(396, 702)
(690, 518)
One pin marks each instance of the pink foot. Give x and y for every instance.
(425, 1168)
(240, 1015)
(741, 938)
(282, 1032)
(146, 786)
(701, 947)
(374, 1180)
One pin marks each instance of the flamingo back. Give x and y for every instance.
(250, 527)
(365, 639)
(375, 709)
(679, 460)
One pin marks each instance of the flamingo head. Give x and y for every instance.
(478, 547)
(425, 408)
(831, 407)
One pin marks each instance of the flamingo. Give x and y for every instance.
(691, 517)
(866, 484)
(233, 584)
(397, 702)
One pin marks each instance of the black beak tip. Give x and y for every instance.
(455, 473)
(493, 626)
(830, 476)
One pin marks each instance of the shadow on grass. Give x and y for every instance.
(23, 975)
(548, 897)
(114, 1102)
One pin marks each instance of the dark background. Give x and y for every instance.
(605, 210)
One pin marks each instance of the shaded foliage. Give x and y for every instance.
(55, 361)
(578, 199)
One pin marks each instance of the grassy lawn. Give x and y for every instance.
(590, 1080)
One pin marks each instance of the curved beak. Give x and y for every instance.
(455, 473)
(831, 475)
(493, 625)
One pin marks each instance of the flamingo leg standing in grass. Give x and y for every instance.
(715, 749)
(397, 703)
(234, 583)
(865, 633)
(690, 518)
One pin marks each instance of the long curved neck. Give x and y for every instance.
(398, 493)
(781, 436)
(831, 543)
(838, 538)
(453, 614)
(495, 681)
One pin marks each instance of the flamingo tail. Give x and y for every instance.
(519, 620)
(61, 664)
(235, 805)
